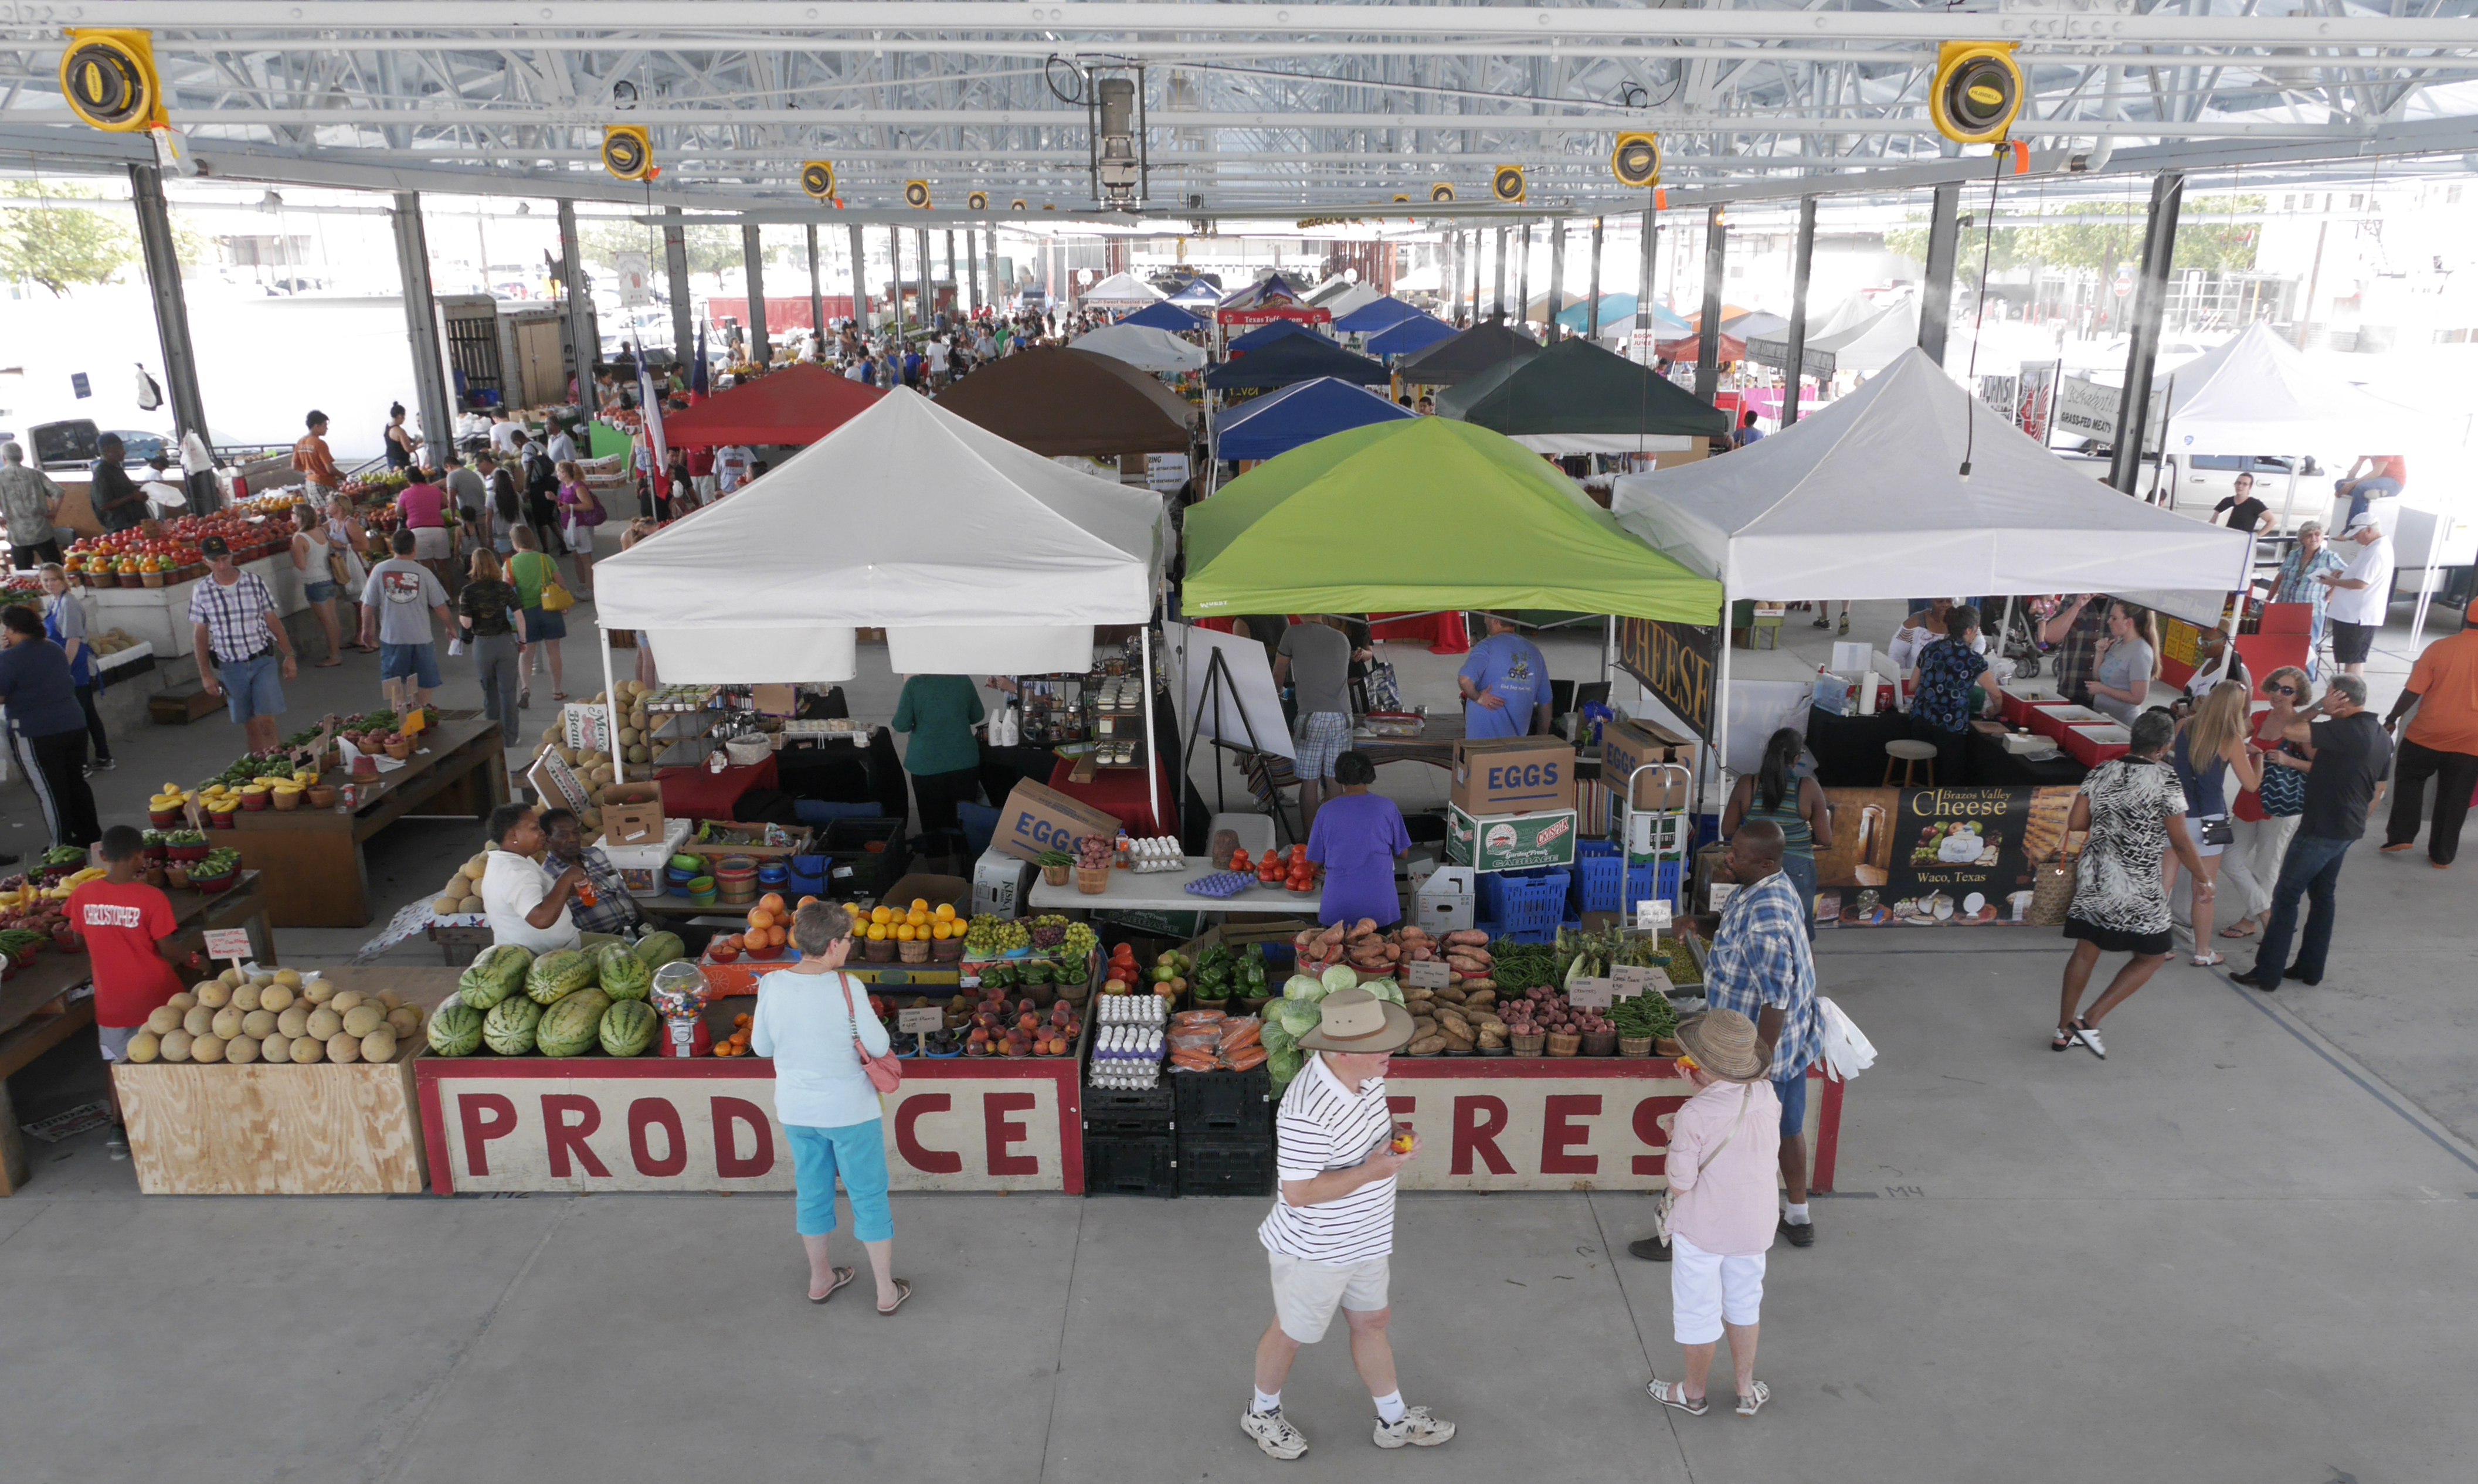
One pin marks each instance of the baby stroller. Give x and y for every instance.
(2020, 639)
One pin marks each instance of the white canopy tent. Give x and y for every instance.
(1143, 347)
(2256, 393)
(1120, 291)
(1864, 499)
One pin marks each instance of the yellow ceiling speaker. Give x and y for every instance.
(1016, 205)
(110, 81)
(1635, 160)
(1441, 193)
(817, 180)
(1977, 91)
(1403, 198)
(916, 194)
(628, 153)
(977, 201)
(1506, 184)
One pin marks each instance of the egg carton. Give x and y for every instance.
(1221, 884)
(1131, 1010)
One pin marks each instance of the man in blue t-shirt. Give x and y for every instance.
(1505, 685)
(1747, 432)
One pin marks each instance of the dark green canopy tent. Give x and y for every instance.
(1576, 397)
(1467, 355)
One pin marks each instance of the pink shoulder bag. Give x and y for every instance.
(885, 1071)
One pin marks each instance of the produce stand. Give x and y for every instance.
(38, 1011)
(269, 1129)
(317, 874)
(1166, 891)
(161, 615)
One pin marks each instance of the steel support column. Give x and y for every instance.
(1499, 308)
(1556, 280)
(1936, 290)
(676, 270)
(860, 281)
(954, 276)
(421, 331)
(922, 309)
(752, 267)
(1801, 259)
(171, 305)
(2143, 347)
(1592, 316)
(584, 345)
(817, 293)
(895, 268)
(1523, 278)
(1707, 341)
(1643, 322)
(973, 266)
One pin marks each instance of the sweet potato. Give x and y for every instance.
(1466, 935)
(1427, 1045)
(1482, 986)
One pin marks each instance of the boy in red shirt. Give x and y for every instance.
(124, 921)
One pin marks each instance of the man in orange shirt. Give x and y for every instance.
(125, 923)
(311, 460)
(2441, 742)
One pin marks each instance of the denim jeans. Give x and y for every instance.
(2312, 869)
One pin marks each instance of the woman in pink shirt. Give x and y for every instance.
(1724, 1157)
(579, 512)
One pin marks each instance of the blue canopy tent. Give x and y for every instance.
(1381, 314)
(1268, 333)
(1617, 312)
(1275, 424)
(1409, 338)
(1296, 358)
(1274, 285)
(1166, 316)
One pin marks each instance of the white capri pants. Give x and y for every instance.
(1705, 1287)
(2251, 867)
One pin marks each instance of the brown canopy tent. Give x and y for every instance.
(1061, 401)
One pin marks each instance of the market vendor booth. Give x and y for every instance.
(1577, 399)
(1066, 402)
(793, 407)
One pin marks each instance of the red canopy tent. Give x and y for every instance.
(799, 404)
(1686, 347)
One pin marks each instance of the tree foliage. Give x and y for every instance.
(2100, 234)
(60, 246)
(711, 249)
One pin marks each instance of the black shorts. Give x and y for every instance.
(2351, 643)
(2117, 940)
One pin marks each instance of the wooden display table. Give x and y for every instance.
(264, 1129)
(316, 873)
(1166, 891)
(37, 1014)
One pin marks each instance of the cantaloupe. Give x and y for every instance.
(215, 994)
(362, 1019)
(277, 1047)
(145, 1046)
(446, 906)
(390, 999)
(307, 1049)
(317, 992)
(176, 1046)
(275, 997)
(227, 1021)
(469, 906)
(245, 995)
(344, 1049)
(242, 1052)
(379, 1045)
(290, 978)
(199, 1020)
(233, 976)
(346, 1000)
(163, 1020)
(258, 1024)
(323, 1024)
(404, 1021)
(263, 977)
(206, 1048)
(473, 868)
(183, 1002)
(640, 755)
(292, 1022)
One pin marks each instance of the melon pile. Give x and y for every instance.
(275, 1015)
(572, 1002)
(595, 769)
(463, 894)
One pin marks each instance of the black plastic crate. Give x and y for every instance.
(1223, 1103)
(1115, 1166)
(874, 872)
(1223, 1167)
(1119, 1111)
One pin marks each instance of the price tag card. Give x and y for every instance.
(1652, 916)
(1628, 980)
(923, 1017)
(1720, 892)
(1594, 993)
(228, 942)
(1429, 975)
(414, 723)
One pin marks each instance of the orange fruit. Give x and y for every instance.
(806, 900)
(771, 901)
(759, 917)
(903, 933)
(877, 932)
(921, 904)
(882, 913)
(946, 911)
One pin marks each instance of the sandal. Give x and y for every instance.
(524, 700)
(842, 1276)
(2064, 1041)
(1673, 1393)
(2208, 960)
(2233, 931)
(2088, 1035)
(903, 1292)
(558, 696)
(1752, 1403)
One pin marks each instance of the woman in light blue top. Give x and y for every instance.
(807, 1016)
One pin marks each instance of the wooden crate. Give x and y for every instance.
(263, 1129)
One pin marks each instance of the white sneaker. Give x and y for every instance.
(1415, 1427)
(1275, 1434)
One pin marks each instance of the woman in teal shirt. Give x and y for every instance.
(943, 757)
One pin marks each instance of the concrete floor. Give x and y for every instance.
(2235, 1250)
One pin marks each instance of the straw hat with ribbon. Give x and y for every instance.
(1723, 1043)
(1357, 1023)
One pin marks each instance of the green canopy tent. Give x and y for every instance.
(1418, 516)
(1577, 399)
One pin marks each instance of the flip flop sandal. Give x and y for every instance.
(842, 1276)
(2065, 1041)
(2088, 1035)
(1752, 1403)
(2231, 932)
(2208, 961)
(1673, 1393)
(903, 1292)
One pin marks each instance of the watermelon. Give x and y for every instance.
(656, 949)
(570, 1027)
(499, 972)
(558, 974)
(456, 1030)
(621, 973)
(508, 1028)
(628, 1028)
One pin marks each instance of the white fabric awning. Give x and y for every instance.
(2257, 395)
(906, 517)
(1864, 499)
(1120, 288)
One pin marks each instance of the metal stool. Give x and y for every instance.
(1910, 755)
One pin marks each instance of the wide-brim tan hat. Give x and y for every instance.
(1357, 1023)
(1723, 1043)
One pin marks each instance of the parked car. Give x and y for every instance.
(2192, 485)
(71, 444)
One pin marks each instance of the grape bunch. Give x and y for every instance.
(984, 934)
(1079, 944)
(1048, 930)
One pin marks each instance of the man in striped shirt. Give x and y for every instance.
(1331, 1229)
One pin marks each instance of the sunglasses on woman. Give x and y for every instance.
(2271, 690)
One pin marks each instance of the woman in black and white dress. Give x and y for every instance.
(2134, 808)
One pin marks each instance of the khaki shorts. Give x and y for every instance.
(1306, 1294)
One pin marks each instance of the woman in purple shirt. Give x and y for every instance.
(1358, 838)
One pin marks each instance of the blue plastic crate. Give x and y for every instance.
(1598, 884)
(1525, 908)
(1589, 850)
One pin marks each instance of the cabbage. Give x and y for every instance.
(1284, 1065)
(1306, 987)
(1340, 977)
(1297, 1017)
(1276, 1036)
(1384, 989)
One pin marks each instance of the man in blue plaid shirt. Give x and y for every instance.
(614, 910)
(1760, 966)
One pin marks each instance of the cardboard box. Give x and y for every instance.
(954, 891)
(774, 701)
(1038, 817)
(1510, 842)
(1628, 745)
(1000, 883)
(632, 814)
(1446, 901)
(1513, 775)
(649, 856)
(588, 726)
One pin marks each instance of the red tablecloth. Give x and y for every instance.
(1442, 633)
(1120, 791)
(695, 794)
